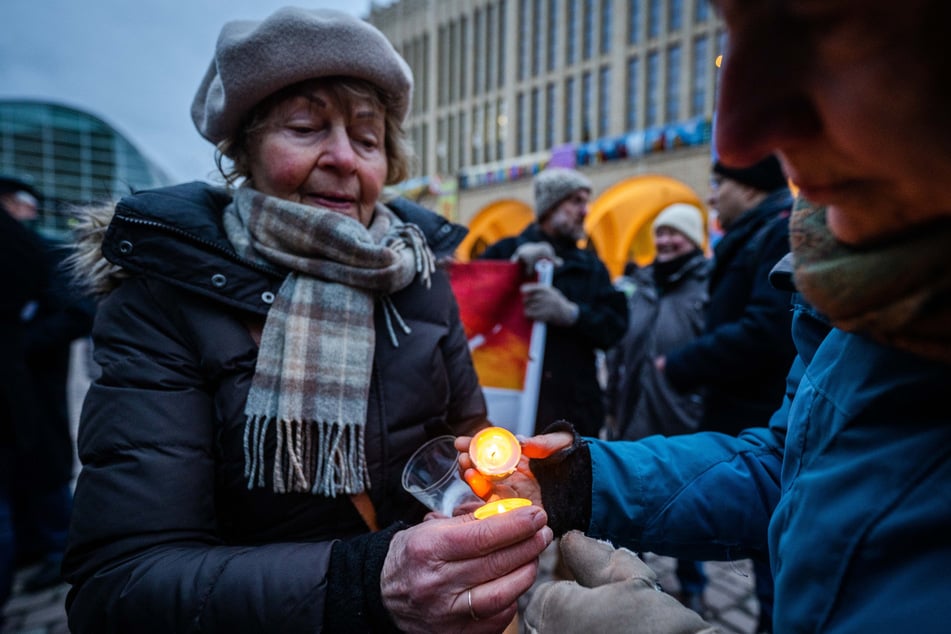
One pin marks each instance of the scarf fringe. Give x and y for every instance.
(320, 458)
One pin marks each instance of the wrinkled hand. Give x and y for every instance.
(521, 483)
(615, 592)
(548, 304)
(431, 569)
(531, 252)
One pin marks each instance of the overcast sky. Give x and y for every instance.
(133, 63)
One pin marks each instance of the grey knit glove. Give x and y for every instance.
(615, 592)
(548, 304)
(531, 252)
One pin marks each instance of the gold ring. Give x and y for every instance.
(469, 599)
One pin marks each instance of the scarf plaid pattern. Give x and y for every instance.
(898, 292)
(312, 377)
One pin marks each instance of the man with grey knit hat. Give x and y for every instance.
(583, 310)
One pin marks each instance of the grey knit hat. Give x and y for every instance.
(555, 184)
(254, 59)
(685, 218)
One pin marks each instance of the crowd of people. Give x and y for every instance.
(264, 346)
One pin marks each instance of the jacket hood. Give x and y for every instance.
(89, 268)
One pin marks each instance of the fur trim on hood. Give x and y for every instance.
(90, 270)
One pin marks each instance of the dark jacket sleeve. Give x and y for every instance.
(65, 313)
(756, 342)
(144, 552)
(602, 311)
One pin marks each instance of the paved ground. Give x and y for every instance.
(729, 597)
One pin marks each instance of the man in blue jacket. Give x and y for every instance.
(848, 487)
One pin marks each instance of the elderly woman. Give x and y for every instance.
(271, 356)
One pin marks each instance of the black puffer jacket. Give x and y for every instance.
(166, 535)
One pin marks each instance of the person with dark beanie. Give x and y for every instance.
(741, 359)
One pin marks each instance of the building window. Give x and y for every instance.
(606, 11)
(653, 19)
(652, 89)
(570, 109)
(604, 100)
(701, 64)
(478, 49)
(675, 15)
(701, 11)
(521, 145)
(524, 43)
(502, 126)
(552, 34)
(672, 112)
(633, 73)
(549, 115)
(571, 44)
(587, 37)
(634, 21)
(537, 48)
(536, 120)
(587, 104)
(501, 37)
(462, 59)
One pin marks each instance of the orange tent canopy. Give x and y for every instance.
(501, 219)
(619, 220)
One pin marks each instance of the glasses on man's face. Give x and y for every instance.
(716, 182)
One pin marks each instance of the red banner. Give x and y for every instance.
(490, 304)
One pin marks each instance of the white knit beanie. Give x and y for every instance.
(555, 184)
(254, 59)
(685, 218)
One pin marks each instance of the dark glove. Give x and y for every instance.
(531, 252)
(547, 304)
(615, 592)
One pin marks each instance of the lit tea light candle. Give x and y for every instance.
(500, 506)
(495, 452)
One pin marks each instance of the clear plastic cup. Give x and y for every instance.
(432, 476)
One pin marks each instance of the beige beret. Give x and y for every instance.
(255, 59)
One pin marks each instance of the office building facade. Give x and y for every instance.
(505, 87)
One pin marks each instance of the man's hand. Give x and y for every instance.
(531, 252)
(548, 304)
(461, 574)
(615, 592)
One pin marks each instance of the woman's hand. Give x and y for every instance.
(521, 483)
(461, 574)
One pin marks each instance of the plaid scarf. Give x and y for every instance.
(898, 292)
(312, 377)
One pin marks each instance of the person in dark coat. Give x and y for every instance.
(271, 355)
(53, 317)
(26, 277)
(667, 303)
(583, 310)
(742, 358)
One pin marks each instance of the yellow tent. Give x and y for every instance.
(619, 220)
(501, 219)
